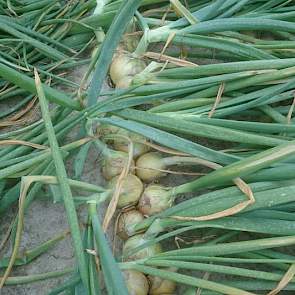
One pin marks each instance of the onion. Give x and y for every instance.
(148, 166)
(135, 242)
(159, 286)
(155, 199)
(114, 163)
(131, 190)
(122, 144)
(106, 129)
(136, 282)
(124, 67)
(126, 223)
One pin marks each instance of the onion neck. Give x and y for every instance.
(151, 36)
(159, 225)
(103, 148)
(178, 160)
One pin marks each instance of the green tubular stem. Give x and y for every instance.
(11, 162)
(251, 224)
(239, 24)
(64, 186)
(44, 48)
(247, 82)
(38, 136)
(69, 284)
(250, 285)
(233, 247)
(261, 103)
(16, 107)
(273, 114)
(241, 168)
(93, 272)
(254, 224)
(197, 129)
(28, 84)
(229, 260)
(38, 277)
(25, 164)
(236, 48)
(12, 195)
(226, 270)
(243, 125)
(194, 82)
(240, 99)
(226, 68)
(177, 105)
(265, 199)
(30, 255)
(112, 275)
(272, 213)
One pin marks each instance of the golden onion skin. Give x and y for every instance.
(114, 165)
(126, 221)
(154, 199)
(124, 67)
(131, 190)
(134, 242)
(136, 282)
(148, 166)
(159, 286)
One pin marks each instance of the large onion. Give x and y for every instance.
(148, 166)
(114, 163)
(131, 190)
(154, 199)
(124, 67)
(126, 223)
(136, 282)
(135, 242)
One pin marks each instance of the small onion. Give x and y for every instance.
(131, 190)
(114, 164)
(159, 286)
(136, 282)
(106, 129)
(154, 199)
(127, 221)
(135, 242)
(122, 144)
(124, 67)
(148, 166)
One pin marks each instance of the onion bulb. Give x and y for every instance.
(148, 166)
(121, 143)
(106, 129)
(159, 286)
(135, 242)
(114, 163)
(124, 67)
(130, 192)
(154, 199)
(136, 282)
(126, 223)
